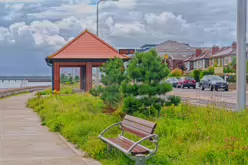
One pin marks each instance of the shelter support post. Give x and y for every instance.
(83, 78)
(88, 76)
(56, 76)
(52, 77)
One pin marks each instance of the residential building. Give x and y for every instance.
(174, 53)
(223, 57)
(200, 60)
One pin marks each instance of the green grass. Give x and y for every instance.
(188, 134)
(66, 89)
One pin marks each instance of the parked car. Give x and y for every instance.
(186, 82)
(213, 82)
(173, 81)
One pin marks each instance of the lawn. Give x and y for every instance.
(188, 134)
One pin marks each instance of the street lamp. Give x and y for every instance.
(97, 32)
(241, 55)
(97, 14)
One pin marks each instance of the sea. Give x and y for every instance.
(20, 83)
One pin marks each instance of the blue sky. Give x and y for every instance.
(30, 30)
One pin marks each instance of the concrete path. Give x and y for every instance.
(23, 141)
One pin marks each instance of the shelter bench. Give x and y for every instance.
(134, 150)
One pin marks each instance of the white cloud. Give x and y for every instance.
(127, 23)
(17, 1)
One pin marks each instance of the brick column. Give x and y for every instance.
(83, 78)
(56, 76)
(88, 76)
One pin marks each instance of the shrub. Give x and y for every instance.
(175, 100)
(196, 74)
(176, 73)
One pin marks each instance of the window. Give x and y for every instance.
(212, 62)
(200, 63)
(226, 61)
(194, 64)
(218, 61)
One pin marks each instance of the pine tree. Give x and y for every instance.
(112, 77)
(144, 85)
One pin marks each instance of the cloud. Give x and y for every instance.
(17, 1)
(35, 30)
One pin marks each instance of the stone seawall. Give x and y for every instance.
(9, 92)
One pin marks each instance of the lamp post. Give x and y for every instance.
(241, 55)
(97, 31)
(97, 14)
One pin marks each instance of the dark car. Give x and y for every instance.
(186, 82)
(173, 81)
(213, 82)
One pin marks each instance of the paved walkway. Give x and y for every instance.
(23, 141)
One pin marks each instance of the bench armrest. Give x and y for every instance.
(104, 131)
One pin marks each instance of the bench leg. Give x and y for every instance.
(109, 148)
(140, 159)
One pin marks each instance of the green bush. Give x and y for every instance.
(204, 73)
(187, 134)
(173, 100)
(196, 75)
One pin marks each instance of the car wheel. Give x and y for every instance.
(193, 87)
(216, 89)
(188, 87)
(202, 88)
(211, 87)
(226, 89)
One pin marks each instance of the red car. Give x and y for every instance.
(186, 82)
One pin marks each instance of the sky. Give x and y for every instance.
(31, 30)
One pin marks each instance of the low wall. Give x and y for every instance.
(9, 92)
(233, 86)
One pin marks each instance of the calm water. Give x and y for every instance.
(18, 84)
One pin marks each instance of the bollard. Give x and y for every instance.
(140, 159)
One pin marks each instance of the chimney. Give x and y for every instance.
(198, 52)
(215, 49)
(234, 45)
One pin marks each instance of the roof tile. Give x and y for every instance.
(87, 46)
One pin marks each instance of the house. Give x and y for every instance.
(223, 57)
(200, 59)
(174, 53)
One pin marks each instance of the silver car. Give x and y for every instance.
(213, 82)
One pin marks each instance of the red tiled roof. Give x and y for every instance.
(87, 46)
(205, 54)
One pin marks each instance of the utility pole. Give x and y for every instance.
(241, 55)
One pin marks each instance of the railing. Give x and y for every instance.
(13, 91)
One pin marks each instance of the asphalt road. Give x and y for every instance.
(223, 99)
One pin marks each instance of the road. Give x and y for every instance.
(199, 97)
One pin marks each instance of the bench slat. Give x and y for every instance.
(140, 121)
(125, 144)
(138, 126)
(135, 131)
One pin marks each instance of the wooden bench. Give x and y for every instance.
(134, 150)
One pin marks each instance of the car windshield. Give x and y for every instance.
(216, 78)
(189, 78)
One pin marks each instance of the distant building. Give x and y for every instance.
(174, 53)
